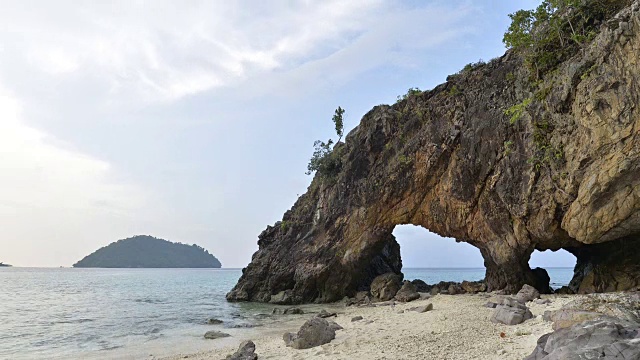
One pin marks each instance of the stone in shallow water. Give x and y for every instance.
(214, 334)
(293, 311)
(325, 314)
(214, 321)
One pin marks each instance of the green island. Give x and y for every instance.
(145, 251)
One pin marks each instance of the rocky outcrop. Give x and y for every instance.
(604, 326)
(564, 174)
(598, 339)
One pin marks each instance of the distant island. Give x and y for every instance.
(4, 265)
(145, 251)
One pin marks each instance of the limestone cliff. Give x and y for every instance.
(564, 174)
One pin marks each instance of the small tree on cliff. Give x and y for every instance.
(325, 160)
(556, 30)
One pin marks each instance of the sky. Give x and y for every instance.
(194, 121)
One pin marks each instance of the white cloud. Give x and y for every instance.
(46, 190)
(168, 49)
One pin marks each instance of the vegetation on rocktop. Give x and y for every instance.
(556, 30)
(326, 159)
(148, 252)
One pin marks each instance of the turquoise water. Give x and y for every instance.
(131, 313)
(559, 276)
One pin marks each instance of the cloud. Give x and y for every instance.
(165, 50)
(46, 187)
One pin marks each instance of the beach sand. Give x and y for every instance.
(458, 327)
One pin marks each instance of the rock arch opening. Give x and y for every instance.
(432, 258)
(559, 265)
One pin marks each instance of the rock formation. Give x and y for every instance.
(314, 332)
(603, 326)
(564, 174)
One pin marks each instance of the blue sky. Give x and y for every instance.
(194, 120)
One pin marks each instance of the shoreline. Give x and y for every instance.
(458, 327)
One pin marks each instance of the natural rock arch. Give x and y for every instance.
(566, 174)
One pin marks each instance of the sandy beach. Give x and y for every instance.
(458, 327)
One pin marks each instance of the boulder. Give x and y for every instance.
(325, 314)
(455, 289)
(511, 312)
(407, 292)
(541, 280)
(246, 351)
(356, 318)
(385, 287)
(422, 309)
(363, 297)
(473, 287)
(435, 290)
(526, 294)
(596, 339)
(214, 334)
(421, 286)
(314, 332)
(424, 296)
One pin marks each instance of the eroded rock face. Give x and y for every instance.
(565, 174)
(597, 339)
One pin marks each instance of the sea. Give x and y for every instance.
(67, 313)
